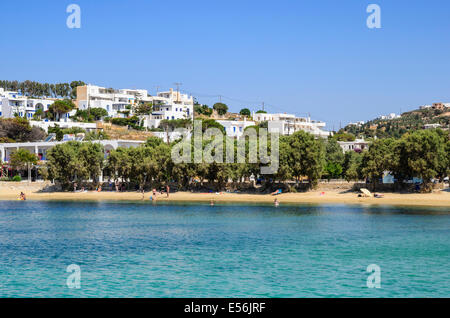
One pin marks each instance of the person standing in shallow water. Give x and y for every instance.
(276, 203)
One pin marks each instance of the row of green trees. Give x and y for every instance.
(220, 108)
(151, 163)
(423, 154)
(37, 89)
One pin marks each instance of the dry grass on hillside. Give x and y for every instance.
(120, 132)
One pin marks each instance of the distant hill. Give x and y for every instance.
(408, 121)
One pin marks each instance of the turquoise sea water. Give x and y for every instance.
(193, 250)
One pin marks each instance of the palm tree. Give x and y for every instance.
(22, 158)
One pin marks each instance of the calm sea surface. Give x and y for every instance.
(193, 250)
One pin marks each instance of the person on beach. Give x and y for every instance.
(117, 185)
(22, 196)
(212, 203)
(167, 190)
(276, 203)
(75, 185)
(154, 192)
(279, 191)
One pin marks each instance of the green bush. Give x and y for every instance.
(17, 178)
(132, 122)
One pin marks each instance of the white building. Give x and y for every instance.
(287, 124)
(235, 128)
(11, 103)
(356, 145)
(432, 126)
(44, 124)
(114, 101)
(390, 116)
(41, 148)
(166, 105)
(171, 135)
(170, 105)
(357, 124)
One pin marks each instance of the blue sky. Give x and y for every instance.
(314, 57)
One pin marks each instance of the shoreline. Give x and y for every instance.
(436, 199)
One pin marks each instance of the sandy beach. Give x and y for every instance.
(437, 198)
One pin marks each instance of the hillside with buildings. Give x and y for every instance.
(426, 117)
(78, 106)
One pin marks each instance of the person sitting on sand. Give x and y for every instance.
(22, 196)
(154, 192)
(99, 189)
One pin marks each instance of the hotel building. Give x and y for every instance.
(11, 103)
(168, 105)
(115, 101)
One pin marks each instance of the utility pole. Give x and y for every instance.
(178, 91)
(220, 98)
(157, 90)
(263, 106)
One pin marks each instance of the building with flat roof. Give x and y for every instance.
(114, 101)
(12, 104)
(167, 105)
(287, 124)
(45, 125)
(235, 128)
(432, 126)
(357, 145)
(170, 105)
(40, 148)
